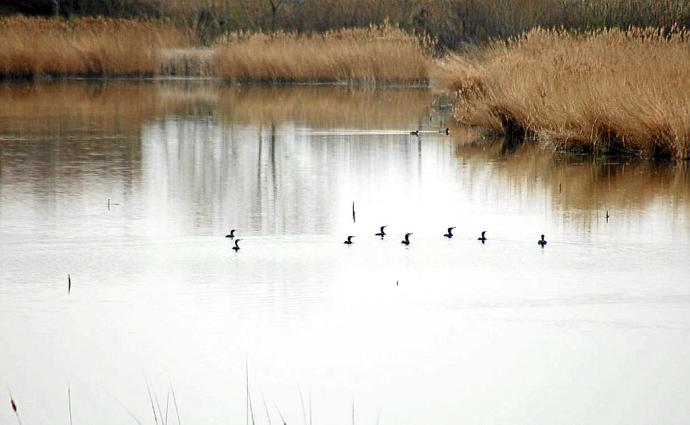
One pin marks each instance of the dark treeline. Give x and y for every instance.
(451, 22)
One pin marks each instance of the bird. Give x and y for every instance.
(450, 232)
(406, 241)
(236, 247)
(414, 133)
(232, 234)
(382, 233)
(542, 241)
(349, 240)
(483, 237)
(445, 131)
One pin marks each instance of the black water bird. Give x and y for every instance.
(483, 237)
(542, 241)
(237, 246)
(406, 241)
(349, 240)
(382, 233)
(450, 232)
(232, 234)
(414, 133)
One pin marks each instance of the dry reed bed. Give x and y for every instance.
(83, 47)
(34, 47)
(612, 92)
(382, 54)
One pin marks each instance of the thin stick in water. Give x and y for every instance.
(13, 404)
(129, 412)
(160, 412)
(177, 412)
(249, 395)
(69, 403)
(301, 399)
(153, 406)
(282, 419)
(167, 403)
(268, 416)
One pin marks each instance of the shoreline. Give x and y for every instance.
(609, 92)
(613, 92)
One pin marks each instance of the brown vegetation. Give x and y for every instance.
(612, 92)
(82, 47)
(112, 47)
(452, 22)
(376, 54)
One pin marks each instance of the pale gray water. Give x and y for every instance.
(593, 329)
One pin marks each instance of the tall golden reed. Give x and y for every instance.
(34, 47)
(608, 91)
(83, 47)
(378, 54)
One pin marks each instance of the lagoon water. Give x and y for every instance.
(592, 329)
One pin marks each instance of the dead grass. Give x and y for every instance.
(613, 92)
(35, 47)
(382, 54)
(82, 47)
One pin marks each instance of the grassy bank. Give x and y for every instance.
(35, 47)
(611, 92)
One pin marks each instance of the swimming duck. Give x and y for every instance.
(406, 241)
(232, 234)
(450, 232)
(542, 241)
(236, 247)
(349, 240)
(483, 237)
(382, 233)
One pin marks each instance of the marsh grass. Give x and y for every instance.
(377, 54)
(35, 47)
(38, 47)
(611, 92)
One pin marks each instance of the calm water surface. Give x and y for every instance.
(593, 329)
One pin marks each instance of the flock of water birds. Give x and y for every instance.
(382, 234)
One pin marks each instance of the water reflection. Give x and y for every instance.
(158, 294)
(581, 190)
